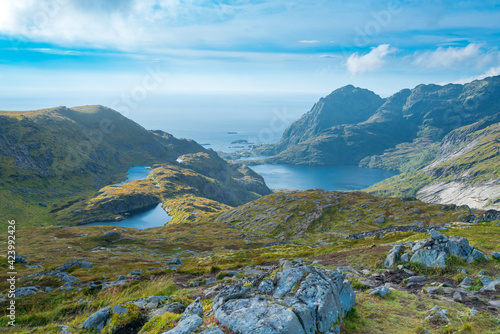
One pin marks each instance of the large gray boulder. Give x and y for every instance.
(434, 251)
(98, 320)
(187, 326)
(429, 258)
(195, 308)
(299, 300)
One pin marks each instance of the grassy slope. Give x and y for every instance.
(215, 247)
(478, 163)
(52, 158)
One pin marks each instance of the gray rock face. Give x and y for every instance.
(23, 292)
(187, 326)
(69, 264)
(174, 262)
(212, 330)
(98, 320)
(381, 291)
(298, 300)
(392, 256)
(195, 308)
(429, 258)
(65, 277)
(434, 251)
(176, 308)
(490, 285)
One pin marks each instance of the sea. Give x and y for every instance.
(225, 122)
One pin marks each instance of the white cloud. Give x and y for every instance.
(451, 56)
(312, 41)
(370, 61)
(493, 71)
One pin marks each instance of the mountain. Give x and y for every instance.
(371, 126)
(54, 159)
(465, 170)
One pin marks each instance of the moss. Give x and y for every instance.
(132, 318)
(160, 323)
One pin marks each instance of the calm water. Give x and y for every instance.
(137, 173)
(326, 178)
(151, 218)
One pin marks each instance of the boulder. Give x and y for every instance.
(23, 292)
(496, 255)
(69, 264)
(187, 325)
(20, 259)
(98, 320)
(429, 258)
(490, 285)
(476, 255)
(379, 220)
(195, 308)
(176, 308)
(381, 291)
(175, 262)
(392, 256)
(212, 330)
(301, 299)
(466, 283)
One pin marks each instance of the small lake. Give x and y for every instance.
(326, 178)
(151, 218)
(137, 173)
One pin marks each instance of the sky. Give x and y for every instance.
(111, 51)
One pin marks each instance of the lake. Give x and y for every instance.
(326, 178)
(137, 173)
(150, 218)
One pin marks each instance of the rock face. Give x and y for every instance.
(434, 251)
(69, 264)
(300, 299)
(98, 320)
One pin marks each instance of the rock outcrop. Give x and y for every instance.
(300, 299)
(434, 251)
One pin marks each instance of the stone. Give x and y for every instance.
(381, 291)
(496, 255)
(457, 296)
(466, 283)
(379, 220)
(405, 257)
(416, 279)
(458, 246)
(212, 330)
(195, 308)
(429, 258)
(187, 325)
(98, 320)
(392, 256)
(175, 262)
(409, 272)
(26, 291)
(119, 310)
(473, 312)
(476, 255)
(69, 264)
(490, 285)
(436, 235)
(210, 280)
(176, 308)
(121, 278)
(304, 300)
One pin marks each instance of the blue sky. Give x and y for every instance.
(101, 48)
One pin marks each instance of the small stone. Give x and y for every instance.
(175, 262)
(457, 296)
(381, 291)
(466, 283)
(121, 278)
(496, 255)
(416, 279)
(473, 312)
